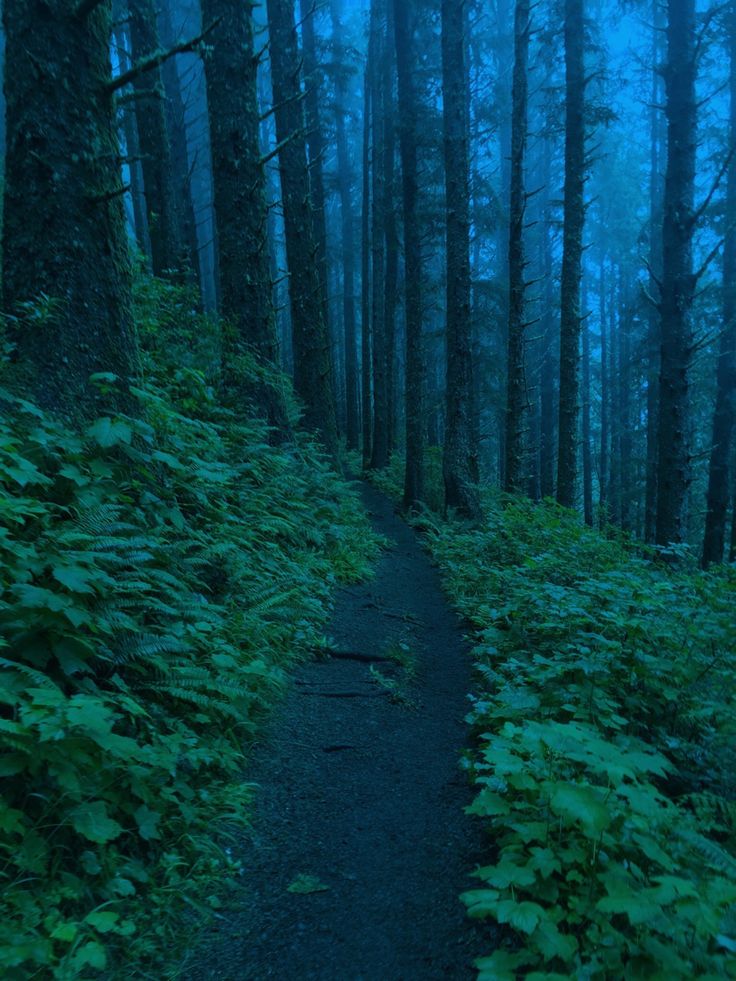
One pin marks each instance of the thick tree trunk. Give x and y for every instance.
(312, 373)
(64, 230)
(239, 186)
(345, 189)
(574, 218)
(516, 388)
(725, 410)
(414, 387)
(460, 459)
(678, 281)
(153, 140)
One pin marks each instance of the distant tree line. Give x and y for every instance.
(432, 214)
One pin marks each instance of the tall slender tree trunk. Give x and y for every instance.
(153, 140)
(725, 410)
(516, 389)
(130, 137)
(379, 449)
(316, 147)
(365, 268)
(391, 278)
(64, 228)
(574, 218)
(657, 137)
(625, 443)
(312, 372)
(548, 366)
(678, 281)
(176, 124)
(605, 398)
(460, 459)
(239, 186)
(345, 190)
(586, 433)
(414, 386)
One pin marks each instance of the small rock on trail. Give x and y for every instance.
(362, 796)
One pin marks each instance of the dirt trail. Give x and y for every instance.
(360, 788)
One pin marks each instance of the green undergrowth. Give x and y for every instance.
(606, 749)
(160, 572)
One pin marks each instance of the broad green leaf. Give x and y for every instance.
(93, 822)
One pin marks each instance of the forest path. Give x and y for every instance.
(359, 786)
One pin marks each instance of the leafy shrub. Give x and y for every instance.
(606, 750)
(159, 574)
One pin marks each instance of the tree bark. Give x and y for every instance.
(239, 186)
(586, 434)
(365, 267)
(312, 372)
(460, 458)
(379, 449)
(64, 230)
(678, 281)
(655, 263)
(345, 190)
(516, 388)
(574, 218)
(176, 124)
(414, 386)
(724, 416)
(153, 140)
(316, 148)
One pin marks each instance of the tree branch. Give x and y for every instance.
(158, 58)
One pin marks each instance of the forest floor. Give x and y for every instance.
(360, 798)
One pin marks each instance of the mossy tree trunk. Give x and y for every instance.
(460, 458)
(64, 231)
(312, 371)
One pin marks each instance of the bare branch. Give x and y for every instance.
(158, 58)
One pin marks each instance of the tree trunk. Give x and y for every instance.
(574, 218)
(655, 263)
(548, 366)
(516, 388)
(678, 281)
(365, 269)
(239, 186)
(312, 374)
(379, 449)
(64, 230)
(316, 148)
(176, 124)
(605, 398)
(345, 189)
(414, 386)
(131, 146)
(153, 140)
(391, 277)
(460, 458)
(725, 409)
(587, 453)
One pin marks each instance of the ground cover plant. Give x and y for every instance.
(605, 748)
(162, 569)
